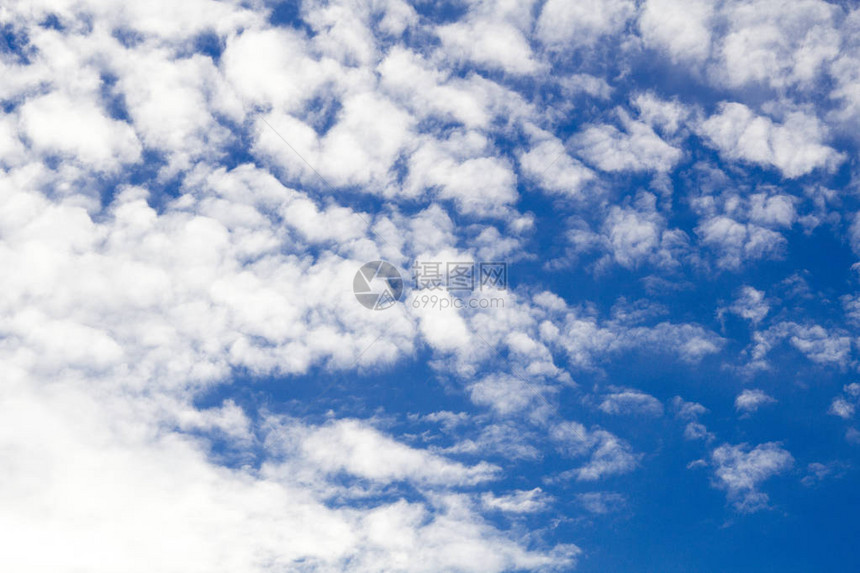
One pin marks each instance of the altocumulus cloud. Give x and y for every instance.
(187, 190)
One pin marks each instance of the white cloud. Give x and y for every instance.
(820, 346)
(359, 149)
(495, 44)
(751, 400)
(443, 326)
(587, 341)
(602, 502)
(128, 302)
(173, 104)
(630, 401)
(523, 501)
(750, 305)
(12, 150)
(796, 146)
(773, 211)
(846, 73)
(75, 128)
(508, 440)
(690, 342)
(342, 30)
(427, 91)
(817, 343)
(634, 235)
(667, 116)
(854, 232)
(594, 86)
(680, 27)
(507, 394)
(91, 456)
(740, 470)
(607, 454)
(562, 24)
(687, 410)
(842, 408)
(637, 148)
(776, 44)
(817, 472)
(697, 431)
(463, 170)
(549, 164)
(353, 447)
(274, 66)
(737, 243)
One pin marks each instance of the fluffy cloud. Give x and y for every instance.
(750, 305)
(549, 164)
(740, 470)
(844, 71)
(583, 339)
(492, 34)
(507, 394)
(667, 116)
(681, 28)
(844, 406)
(187, 190)
(751, 400)
(818, 472)
(351, 447)
(563, 24)
(429, 92)
(743, 43)
(737, 242)
(274, 66)
(56, 124)
(495, 44)
(607, 454)
(636, 148)
(476, 182)
(776, 44)
(629, 401)
(517, 502)
(601, 502)
(181, 511)
(817, 343)
(689, 412)
(795, 147)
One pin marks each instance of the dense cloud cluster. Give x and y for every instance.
(188, 188)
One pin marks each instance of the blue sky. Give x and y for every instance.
(667, 382)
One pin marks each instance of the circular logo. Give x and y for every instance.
(377, 285)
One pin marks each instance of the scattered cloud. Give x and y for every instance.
(795, 146)
(608, 455)
(602, 502)
(629, 401)
(751, 400)
(187, 190)
(740, 469)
